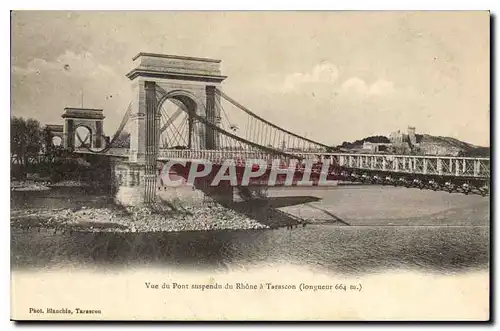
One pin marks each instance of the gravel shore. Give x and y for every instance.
(130, 219)
(41, 185)
(29, 186)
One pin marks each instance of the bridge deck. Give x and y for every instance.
(469, 167)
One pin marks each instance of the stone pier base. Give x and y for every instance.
(245, 193)
(129, 189)
(129, 196)
(221, 194)
(190, 196)
(128, 180)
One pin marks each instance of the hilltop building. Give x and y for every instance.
(370, 147)
(399, 142)
(402, 143)
(396, 137)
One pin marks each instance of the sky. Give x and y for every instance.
(332, 76)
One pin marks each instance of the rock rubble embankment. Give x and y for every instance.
(133, 219)
(40, 185)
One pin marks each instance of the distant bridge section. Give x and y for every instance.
(460, 174)
(468, 167)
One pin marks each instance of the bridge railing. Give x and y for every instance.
(112, 151)
(410, 164)
(215, 156)
(404, 164)
(425, 165)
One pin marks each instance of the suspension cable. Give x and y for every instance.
(212, 126)
(248, 111)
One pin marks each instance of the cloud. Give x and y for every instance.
(323, 79)
(68, 64)
(381, 87)
(354, 84)
(359, 86)
(324, 99)
(43, 88)
(323, 73)
(31, 68)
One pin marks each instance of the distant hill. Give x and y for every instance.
(359, 143)
(428, 144)
(427, 138)
(454, 145)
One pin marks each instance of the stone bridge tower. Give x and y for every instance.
(188, 82)
(90, 118)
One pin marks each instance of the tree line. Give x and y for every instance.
(28, 138)
(31, 148)
(358, 143)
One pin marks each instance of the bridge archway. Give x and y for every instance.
(56, 134)
(178, 126)
(56, 141)
(83, 136)
(90, 118)
(188, 81)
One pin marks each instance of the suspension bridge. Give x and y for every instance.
(180, 113)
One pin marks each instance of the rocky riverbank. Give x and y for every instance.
(43, 185)
(69, 183)
(29, 186)
(131, 219)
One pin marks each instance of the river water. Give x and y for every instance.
(356, 229)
